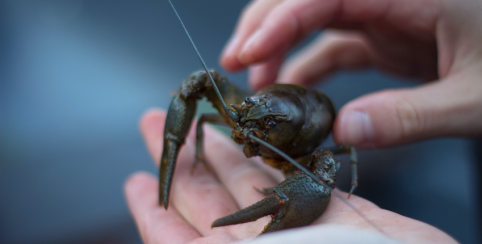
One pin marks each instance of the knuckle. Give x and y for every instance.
(409, 118)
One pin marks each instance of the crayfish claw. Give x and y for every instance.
(179, 118)
(295, 202)
(267, 206)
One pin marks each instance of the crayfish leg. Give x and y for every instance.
(211, 118)
(347, 149)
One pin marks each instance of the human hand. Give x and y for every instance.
(426, 39)
(198, 199)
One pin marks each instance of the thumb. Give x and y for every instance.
(451, 107)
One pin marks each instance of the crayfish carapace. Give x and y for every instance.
(279, 123)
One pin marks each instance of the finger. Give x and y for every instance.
(450, 107)
(266, 73)
(287, 22)
(292, 19)
(152, 127)
(199, 198)
(331, 51)
(252, 16)
(238, 173)
(155, 224)
(341, 209)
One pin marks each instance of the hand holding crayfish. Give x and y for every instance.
(431, 40)
(198, 199)
(404, 116)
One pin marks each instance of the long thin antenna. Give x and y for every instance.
(307, 172)
(202, 61)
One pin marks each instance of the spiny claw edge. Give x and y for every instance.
(267, 206)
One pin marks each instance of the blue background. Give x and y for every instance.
(75, 77)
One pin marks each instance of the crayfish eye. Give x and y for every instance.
(248, 101)
(269, 122)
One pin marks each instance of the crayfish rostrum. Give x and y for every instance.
(291, 118)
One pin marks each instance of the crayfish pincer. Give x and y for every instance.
(279, 123)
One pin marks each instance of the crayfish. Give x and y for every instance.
(284, 124)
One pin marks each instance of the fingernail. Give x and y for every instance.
(248, 44)
(356, 128)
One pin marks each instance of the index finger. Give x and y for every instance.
(288, 21)
(155, 224)
(253, 15)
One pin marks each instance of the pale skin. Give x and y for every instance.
(198, 199)
(432, 40)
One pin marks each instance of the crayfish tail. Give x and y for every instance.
(268, 206)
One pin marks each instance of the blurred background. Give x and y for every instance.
(75, 77)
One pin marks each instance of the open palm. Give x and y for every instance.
(198, 199)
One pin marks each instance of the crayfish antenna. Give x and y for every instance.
(231, 114)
